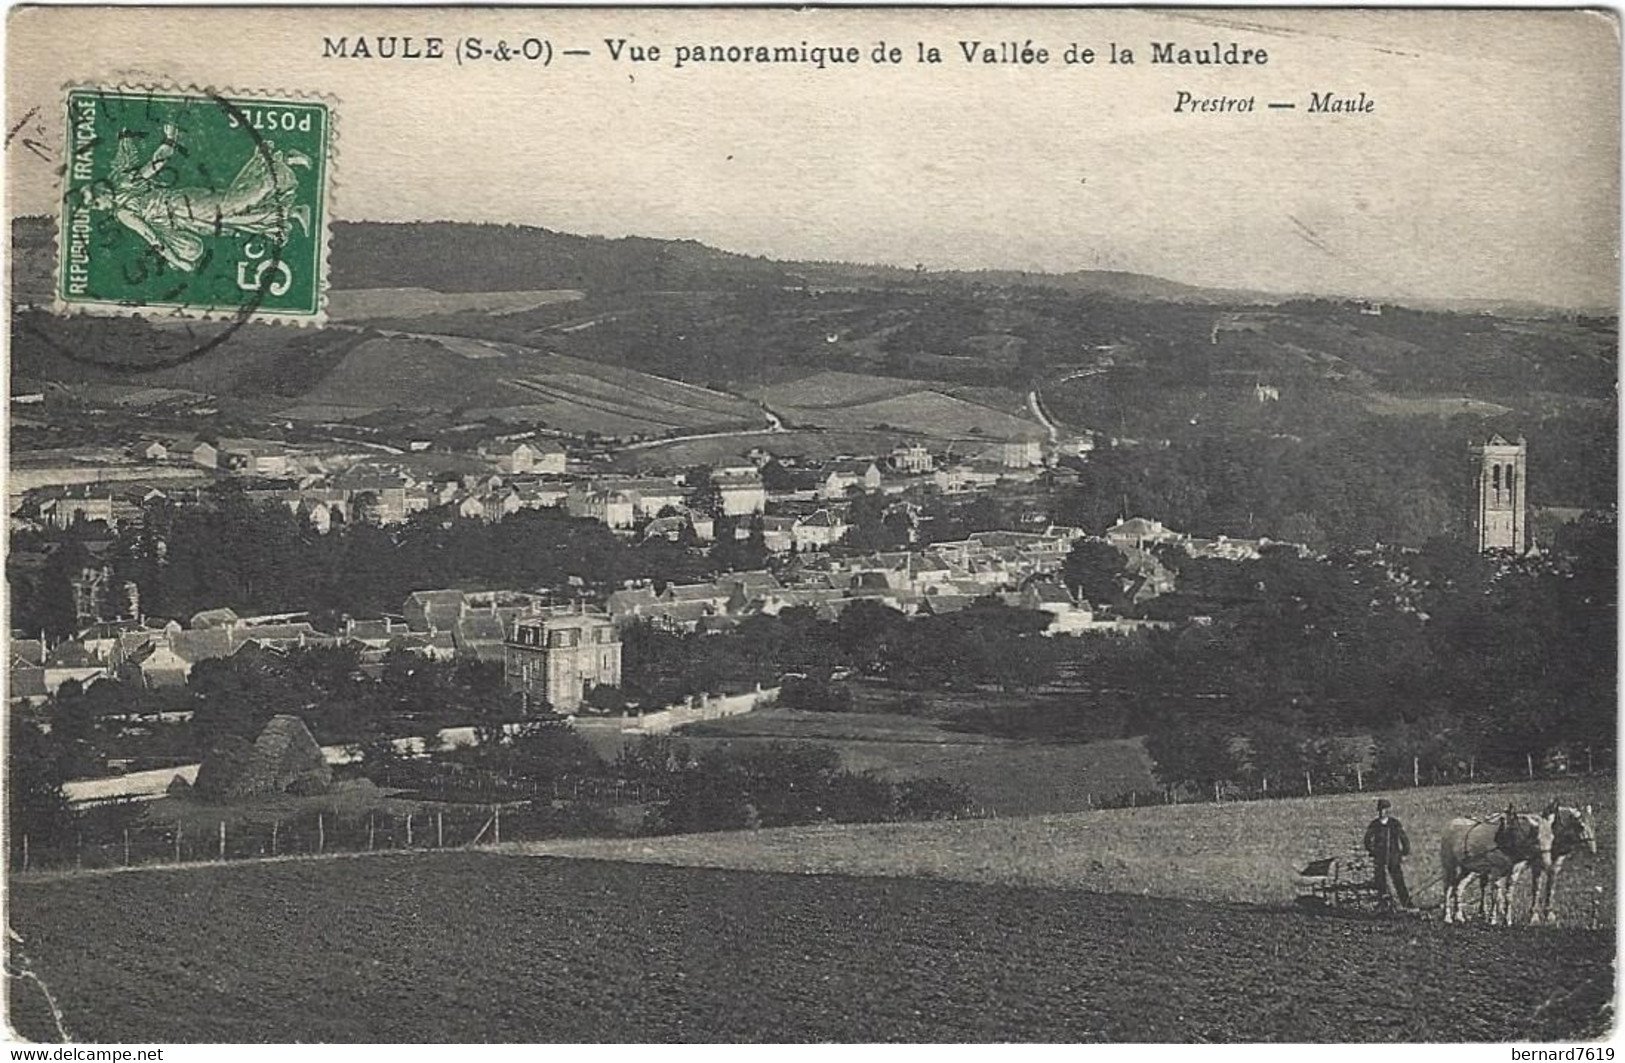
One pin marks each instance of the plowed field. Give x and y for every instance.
(484, 947)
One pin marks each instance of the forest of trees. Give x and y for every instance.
(1452, 662)
(1350, 487)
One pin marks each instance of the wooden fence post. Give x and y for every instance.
(321, 833)
(177, 843)
(409, 830)
(370, 835)
(126, 846)
(496, 824)
(1529, 761)
(440, 829)
(1416, 771)
(25, 852)
(222, 839)
(1266, 780)
(1359, 778)
(276, 826)
(1308, 784)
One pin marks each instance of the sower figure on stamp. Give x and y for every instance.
(174, 221)
(1385, 840)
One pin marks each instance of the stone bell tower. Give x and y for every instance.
(1500, 519)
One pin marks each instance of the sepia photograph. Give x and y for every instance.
(819, 525)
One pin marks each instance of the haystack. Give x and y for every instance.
(222, 767)
(284, 759)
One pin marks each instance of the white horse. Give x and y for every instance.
(1495, 850)
(1571, 832)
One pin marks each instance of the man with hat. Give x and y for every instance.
(1385, 840)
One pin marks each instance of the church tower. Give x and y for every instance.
(1500, 520)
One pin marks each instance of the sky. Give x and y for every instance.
(1489, 169)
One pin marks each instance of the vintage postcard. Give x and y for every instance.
(740, 524)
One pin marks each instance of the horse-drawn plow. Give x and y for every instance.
(1492, 853)
(1346, 883)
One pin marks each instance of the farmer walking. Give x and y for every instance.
(1385, 840)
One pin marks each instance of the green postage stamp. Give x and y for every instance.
(195, 204)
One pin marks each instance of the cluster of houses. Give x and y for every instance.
(150, 653)
(343, 483)
(331, 483)
(1022, 569)
(439, 625)
(273, 459)
(913, 465)
(497, 482)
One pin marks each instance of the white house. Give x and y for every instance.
(741, 491)
(257, 457)
(525, 458)
(819, 531)
(62, 511)
(614, 509)
(1138, 532)
(844, 475)
(912, 460)
(1015, 454)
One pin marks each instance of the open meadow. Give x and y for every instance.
(482, 947)
(1235, 852)
(805, 446)
(857, 401)
(485, 378)
(1001, 775)
(359, 304)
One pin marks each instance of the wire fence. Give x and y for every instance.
(443, 811)
(1313, 783)
(469, 809)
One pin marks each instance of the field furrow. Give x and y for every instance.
(489, 948)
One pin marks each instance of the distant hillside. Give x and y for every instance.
(507, 258)
(1119, 283)
(466, 257)
(648, 337)
(444, 256)
(458, 257)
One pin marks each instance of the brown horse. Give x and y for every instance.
(1571, 832)
(1496, 850)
